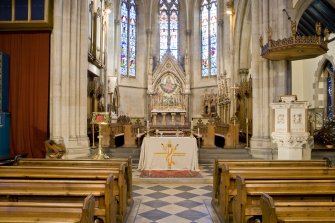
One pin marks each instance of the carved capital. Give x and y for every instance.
(148, 31)
(220, 22)
(188, 32)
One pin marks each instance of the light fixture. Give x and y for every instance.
(230, 7)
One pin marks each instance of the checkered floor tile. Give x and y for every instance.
(173, 203)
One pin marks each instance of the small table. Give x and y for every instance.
(169, 153)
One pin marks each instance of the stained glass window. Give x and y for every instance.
(330, 90)
(168, 27)
(128, 38)
(208, 22)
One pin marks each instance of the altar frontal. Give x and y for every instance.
(169, 153)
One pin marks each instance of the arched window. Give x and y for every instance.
(330, 90)
(208, 16)
(128, 38)
(168, 27)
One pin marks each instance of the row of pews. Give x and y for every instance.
(85, 191)
(246, 191)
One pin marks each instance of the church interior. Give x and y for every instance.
(167, 111)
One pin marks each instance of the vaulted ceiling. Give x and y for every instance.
(322, 11)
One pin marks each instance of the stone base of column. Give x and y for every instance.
(77, 148)
(262, 148)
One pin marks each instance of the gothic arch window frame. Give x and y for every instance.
(209, 62)
(128, 42)
(170, 8)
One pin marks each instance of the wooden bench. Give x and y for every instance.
(74, 173)
(307, 212)
(218, 164)
(115, 162)
(246, 204)
(48, 212)
(224, 184)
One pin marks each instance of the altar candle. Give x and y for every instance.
(198, 132)
(138, 131)
(147, 124)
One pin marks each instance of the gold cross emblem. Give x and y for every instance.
(170, 152)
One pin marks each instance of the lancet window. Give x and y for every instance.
(128, 38)
(208, 22)
(169, 27)
(330, 90)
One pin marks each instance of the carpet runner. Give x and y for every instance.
(170, 174)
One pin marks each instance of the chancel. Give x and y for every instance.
(167, 110)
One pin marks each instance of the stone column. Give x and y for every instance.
(164, 118)
(290, 129)
(68, 77)
(173, 118)
(154, 118)
(182, 118)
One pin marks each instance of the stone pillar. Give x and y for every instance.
(154, 118)
(290, 129)
(173, 118)
(68, 77)
(164, 118)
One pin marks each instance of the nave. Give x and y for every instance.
(174, 200)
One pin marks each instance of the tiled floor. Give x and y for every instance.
(173, 203)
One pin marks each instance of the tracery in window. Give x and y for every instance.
(208, 16)
(168, 27)
(128, 38)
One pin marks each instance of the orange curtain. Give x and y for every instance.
(29, 54)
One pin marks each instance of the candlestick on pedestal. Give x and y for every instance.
(100, 118)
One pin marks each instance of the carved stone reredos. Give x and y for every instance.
(171, 66)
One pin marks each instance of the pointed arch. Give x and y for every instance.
(208, 23)
(169, 27)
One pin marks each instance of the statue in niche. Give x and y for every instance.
(209, 104)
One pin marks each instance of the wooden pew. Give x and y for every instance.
(307, 212)
(115, 162)
(48, 212)
(74, 173)
(261, 163)
(63, 191)
(246, 205)
(226, 189)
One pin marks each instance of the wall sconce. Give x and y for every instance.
(230, 7)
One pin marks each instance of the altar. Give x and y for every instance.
(169, 153)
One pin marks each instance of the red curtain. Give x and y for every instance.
(29, 54)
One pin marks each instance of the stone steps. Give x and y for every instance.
(205, 155)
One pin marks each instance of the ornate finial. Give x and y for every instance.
(294, 28)
(318, 28)
(261, 41)
(326, 34)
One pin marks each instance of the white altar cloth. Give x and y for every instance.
(169, 153)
